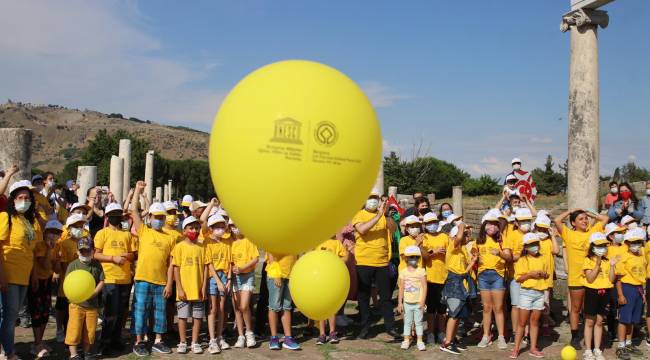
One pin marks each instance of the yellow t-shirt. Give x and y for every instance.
(219, 254)
(114, 243)
(647, 259)
(405, 242)
(333, 245)
(546, 251)
(488, 261)
(577, 244)
(243, 251)
(281, 266)
(154, 250)
(617, 250)
(457, 259)
(190, 260)
(602, 280)
(530, 263)
(64, 252)
(435, 266)
(413, 289)
(632, 269)
(42, 272)
(42, 205)
(178, 237)
(18, 243)
(373, 248)
(514, 241)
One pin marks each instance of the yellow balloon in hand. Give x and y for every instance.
(294, 152)
(568, 353)
(78, 286)
(319, 284)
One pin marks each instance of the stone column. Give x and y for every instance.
(16, 148)
(86, 179)
(584, 142)
(165, 192)
(457, 199)
(116, 180)
(125, 154)
(158, 194)
(148, 174)
(431, 198)
(379, 183)
(170, 193)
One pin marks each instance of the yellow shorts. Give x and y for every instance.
(82, 324)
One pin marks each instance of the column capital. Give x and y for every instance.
(584, 17)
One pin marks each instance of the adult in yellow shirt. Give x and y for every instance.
(153, 273)
(372, 253)
(630, 283)
(434, 248)
(245, 257)
(491, 277)
(277, 272)
(114, 249)
(19, 234)
(190, 275)
(575, 245)
(531, 271)
(600, 275)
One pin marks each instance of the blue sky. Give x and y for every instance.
(473, 82)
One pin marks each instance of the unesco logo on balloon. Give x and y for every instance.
(326, 133)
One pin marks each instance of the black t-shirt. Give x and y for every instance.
(95, 224)
(95, 269)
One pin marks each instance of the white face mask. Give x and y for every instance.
(125, 225)
(533, 250)
(636, 248)
(218, 232)
(524, 227)
(542, 235)
(618, 238)
(432, 228)
(22, 205)
(372, 204)
(414, 231)
(632, 225)
(614, 190)
(76, 232)
(600, 251)
(85, 259)
(516, 166)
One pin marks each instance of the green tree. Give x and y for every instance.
(631, 172)
(484, 185)
(548, 181)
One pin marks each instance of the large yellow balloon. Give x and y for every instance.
(78, 286)
(568, 353)
(294, 152)
(319, 284)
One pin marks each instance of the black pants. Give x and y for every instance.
(380, 276)
(262, 309)
(116, 305)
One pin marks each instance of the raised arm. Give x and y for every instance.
(603, 218)
(363, 227)
(4, 183)
(135, 214)
(559, 220)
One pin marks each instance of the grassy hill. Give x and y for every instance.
(59, 133)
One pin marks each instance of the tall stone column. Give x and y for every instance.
(16, 148)
(125, 154)
(165, 192)
(170, 193)
(86, 179)
(584, 104)
(379, 182)
(158, 197)
(148, 174)
(116, 179)
(457, 199)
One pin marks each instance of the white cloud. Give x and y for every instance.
(96, 55)
(381, 95)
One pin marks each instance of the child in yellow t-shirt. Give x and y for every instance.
(335, 246)
(531, 271)
(599, 278)
(277, 271)
(413, 228)
(549, 248)
(190, 269)
(434, 248)
(412, 283)
(245, 256)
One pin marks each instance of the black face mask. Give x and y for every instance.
(115, 220)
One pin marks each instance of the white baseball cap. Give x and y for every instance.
(157, 208)
(491, 215)
(412, 251)
(454, 231)
(77, 205)
(516, 160)
(613, 227)
(74, 219)
(22, 184)
(54, 225)
(530, 238)
(627, 219)
(189, 220)
(523, 214)
(411, 219)
(510, 177)
(170, 205)
(543, 221)
(197, 205)
(634, 235)
(214, 219)
(222, 212)
(453, 217)
(113, 207)
(429, 217)
(187, 200)
(598, 238)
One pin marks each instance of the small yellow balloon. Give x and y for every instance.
(568, 353)
(78, 286)
(319, 284)
(294, 152)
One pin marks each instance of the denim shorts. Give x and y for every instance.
(214, 289)
(279, 297)
(490, 280)
(515, 289)
(531, 299)
(244, 282)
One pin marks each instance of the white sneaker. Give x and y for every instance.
(213, 347)
(196, 348)
(421, 346)
(588, 355)
(223, 344)
(598, 354)
(250, 339)
(485, 341)
(181, 348)
(60, 335)
(241, 341)
(405, 345)
(502, 343)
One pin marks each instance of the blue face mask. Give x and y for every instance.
(446, 213)
(157, 224)
(432, 228)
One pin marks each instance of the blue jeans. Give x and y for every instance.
(489, 280)
(279, 297)
(12, 300)
(413, 313)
